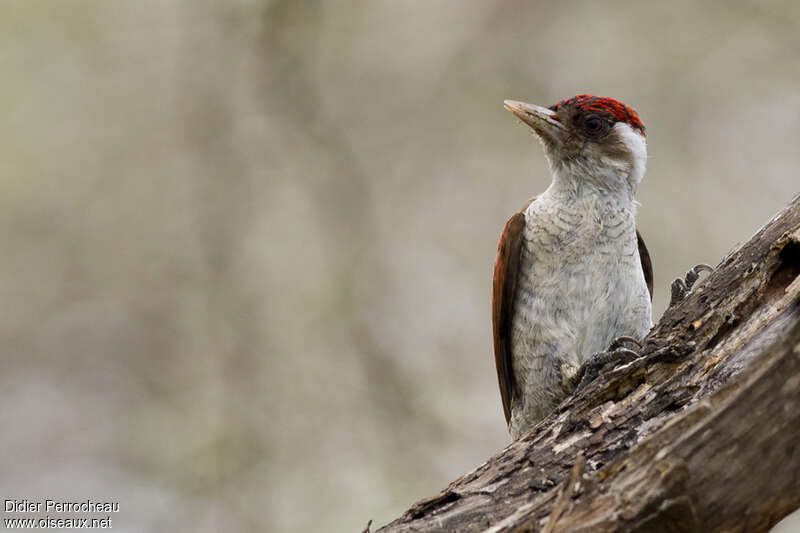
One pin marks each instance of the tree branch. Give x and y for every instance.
(699, 434)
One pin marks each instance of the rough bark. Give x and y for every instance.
(702, 433)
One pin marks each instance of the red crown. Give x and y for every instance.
(599, 104)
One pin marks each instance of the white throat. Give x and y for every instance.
(595, 174)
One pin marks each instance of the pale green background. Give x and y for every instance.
(247, 246)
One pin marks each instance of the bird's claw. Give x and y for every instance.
(592, 367)
(680, 288)
(619, 342)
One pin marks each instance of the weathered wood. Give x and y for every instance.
(702, 433)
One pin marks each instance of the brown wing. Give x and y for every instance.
(647, 265)
(504, 283)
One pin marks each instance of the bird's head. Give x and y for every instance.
(589, 140)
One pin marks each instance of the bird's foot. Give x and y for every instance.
(619, 342)
(681, 288)
(617, 354)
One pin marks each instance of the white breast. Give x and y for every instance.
(581, 285)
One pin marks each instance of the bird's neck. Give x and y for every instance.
(604, 219)
(576, 183)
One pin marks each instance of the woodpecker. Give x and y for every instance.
(572, 273)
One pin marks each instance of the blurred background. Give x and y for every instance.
(247, 245)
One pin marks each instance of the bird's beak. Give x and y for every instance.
(543, 121)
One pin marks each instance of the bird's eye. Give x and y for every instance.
(594, 124)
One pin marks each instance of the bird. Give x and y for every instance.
(573, 279)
